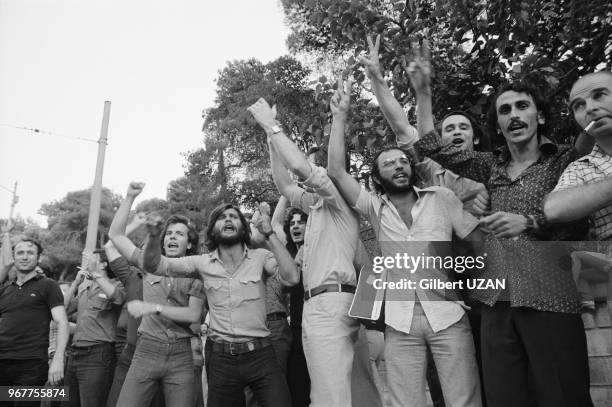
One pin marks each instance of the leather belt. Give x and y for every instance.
(276, 316)
(238, 348)
(328, 288)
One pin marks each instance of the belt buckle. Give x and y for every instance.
(251, 346)
(231, 349)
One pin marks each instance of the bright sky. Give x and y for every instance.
(155, 60)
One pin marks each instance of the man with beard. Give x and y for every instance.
(401, 212)
(458, 129)
(27, 304)
(238, 351)
(162, 309)
(533, 341)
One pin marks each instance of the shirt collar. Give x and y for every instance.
(596, 154)
(419, 191)
(36, 276)
(546, 146)
(214, 255)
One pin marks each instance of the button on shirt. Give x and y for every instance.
(97, 313)
(237, 299)
(531, 271)
(436, 214)
(331, 233)
(594, 167)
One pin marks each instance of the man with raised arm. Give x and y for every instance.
(457, 129)
(98, 299)
(163, 310)
(239, 352)
(401, 213)
(27, 304)
(332, 230)
(585, 187)
(528, 327)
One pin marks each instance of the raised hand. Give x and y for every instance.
(263, 114)
(134, 189)
(371, 62)
(155, 224)
(420, 70)
(262, 222)
(341, 100)
(8, 227)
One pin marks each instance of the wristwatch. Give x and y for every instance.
(158, 309)
(275, 129)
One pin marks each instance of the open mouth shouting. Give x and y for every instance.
(457, 141)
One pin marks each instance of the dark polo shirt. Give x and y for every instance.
(25, 314)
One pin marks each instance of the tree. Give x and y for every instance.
(67, 221)
(478, 45)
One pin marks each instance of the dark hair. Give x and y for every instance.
(375, 173)
(211, 240)
(104, 259)
(29, 240)
(484, 141)
(521, 87)
(291, 246)
(192, 235)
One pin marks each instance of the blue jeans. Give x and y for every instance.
(454, 355)
(156, 364)
(89, 374)
(27, 372)
(230, 374)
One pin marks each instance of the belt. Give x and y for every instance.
(238, 348)
(328, 288)
(276, 316)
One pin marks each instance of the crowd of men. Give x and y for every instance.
(276, 292)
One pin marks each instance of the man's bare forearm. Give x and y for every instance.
(578, 202)
(393, 112)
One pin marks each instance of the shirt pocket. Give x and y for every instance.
(216, 291)
(99, 303)
(251, 287)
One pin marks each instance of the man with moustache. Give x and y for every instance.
(238, 352)
(585, 187)
(415, 319)
(27, 304)
(533, 341)
(458, 129)
(162, 311)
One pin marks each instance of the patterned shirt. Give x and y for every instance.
(532, 272)
(589, 169)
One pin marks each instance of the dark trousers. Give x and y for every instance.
(534, 356)
(228, 375)
(28, 372)
(297, 372)
(89, 374)
(123, 365)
